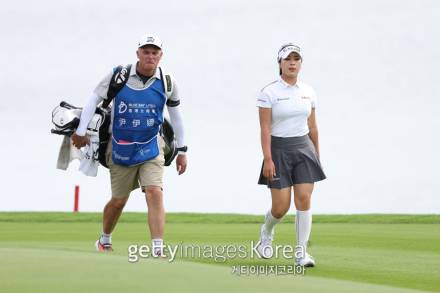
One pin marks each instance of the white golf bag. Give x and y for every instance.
(66, 117)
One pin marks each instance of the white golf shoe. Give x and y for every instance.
(306, 261)
(265, 247)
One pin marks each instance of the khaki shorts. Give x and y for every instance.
(126, 179)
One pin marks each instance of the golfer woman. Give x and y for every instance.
(289, 139)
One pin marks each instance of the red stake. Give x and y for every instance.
(75, 207)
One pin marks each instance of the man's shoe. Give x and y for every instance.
(106, 247)
(306, 261)
(265, 247)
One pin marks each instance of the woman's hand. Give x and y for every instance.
(269, 169)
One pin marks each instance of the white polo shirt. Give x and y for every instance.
(291, 106)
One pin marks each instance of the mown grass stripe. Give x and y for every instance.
(134, 217)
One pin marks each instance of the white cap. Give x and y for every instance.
(286, 49)
(150, 40)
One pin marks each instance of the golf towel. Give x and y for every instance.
(88, 156)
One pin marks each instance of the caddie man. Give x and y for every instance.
(135, 153)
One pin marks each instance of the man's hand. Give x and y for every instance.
(181, 164)
(79, 141)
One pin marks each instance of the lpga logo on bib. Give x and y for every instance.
(122, 107)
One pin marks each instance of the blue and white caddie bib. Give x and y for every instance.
(138, 115)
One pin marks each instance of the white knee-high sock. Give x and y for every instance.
(157, 245)
(303, 224)
(270, 222)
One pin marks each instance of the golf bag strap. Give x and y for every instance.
(167, 83)
(119, 79)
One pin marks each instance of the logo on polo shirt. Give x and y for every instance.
(283, 99)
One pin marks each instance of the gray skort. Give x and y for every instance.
(295, 161)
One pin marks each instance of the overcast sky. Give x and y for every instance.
(374, 65)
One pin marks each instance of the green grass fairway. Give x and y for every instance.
(53, 252)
